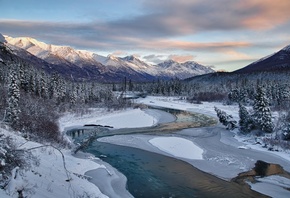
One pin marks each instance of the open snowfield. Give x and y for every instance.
(211, 149)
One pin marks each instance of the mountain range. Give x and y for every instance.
(84, 65)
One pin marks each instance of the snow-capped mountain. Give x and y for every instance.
(110, 68)
(2, 38)
(52, 53)
(279, 61)
(183, 70)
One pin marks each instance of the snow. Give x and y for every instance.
(287, 48)
(178, 147)
(223, 156)
(273, 186)
(131, 118)
(206, 108)
(50, 178)
(81, 57)
(2, 38)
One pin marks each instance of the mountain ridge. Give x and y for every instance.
(278, 61)
(68, 56)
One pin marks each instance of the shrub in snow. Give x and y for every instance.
(38, 119)
(11, 158)
(225, 119)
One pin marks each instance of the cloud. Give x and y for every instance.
(268, 13)
(155, 59)
(181, 58)
(161, 26)
(234, 55)
(119, 53)
(98, 37)
(161, 45)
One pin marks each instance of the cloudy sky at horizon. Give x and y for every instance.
(227, 34)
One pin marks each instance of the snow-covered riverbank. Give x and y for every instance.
(211, 149)
(224, 154)
(58, 173)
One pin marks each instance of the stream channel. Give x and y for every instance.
(154, 175)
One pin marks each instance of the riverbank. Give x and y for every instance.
(109, 180)
(59, 173)
(213, 150)
(223, 155)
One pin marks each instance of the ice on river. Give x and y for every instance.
(178, 147)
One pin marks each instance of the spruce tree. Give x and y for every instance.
(262, 113)
(246, 121)
(226, 119)
(13, 109)
(286, 127)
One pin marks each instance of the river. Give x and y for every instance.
(151, 174)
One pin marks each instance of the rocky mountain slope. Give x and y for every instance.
(85, 65)
(279, 61)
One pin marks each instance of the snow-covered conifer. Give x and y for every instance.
(246, 121)
(225, 119)
(43, 86)
(13, 109)
(262, 113)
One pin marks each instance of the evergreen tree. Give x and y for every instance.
(286, 127)
(114, 87)
(13, 109)
(246, 121)
(31, 83)
(225, 119)
(130, 85)
(23, 74)
(262, 113)
(43, 86)
(73, 96)
(234, 95)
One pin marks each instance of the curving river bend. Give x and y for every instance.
(151, 174)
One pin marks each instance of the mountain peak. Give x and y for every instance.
(110, 66)
(279, 61)
(2, 38)
(170, 61)
(25, 42)
(287, 48)
(112, 57)
(130, 58)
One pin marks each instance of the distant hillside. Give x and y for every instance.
(279, 61)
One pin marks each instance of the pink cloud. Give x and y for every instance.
(181, 58)
(268, 13)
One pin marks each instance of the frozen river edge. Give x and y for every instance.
(223, 155)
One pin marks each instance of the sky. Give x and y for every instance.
(224, 34)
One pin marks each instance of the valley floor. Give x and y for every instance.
(222, 153)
